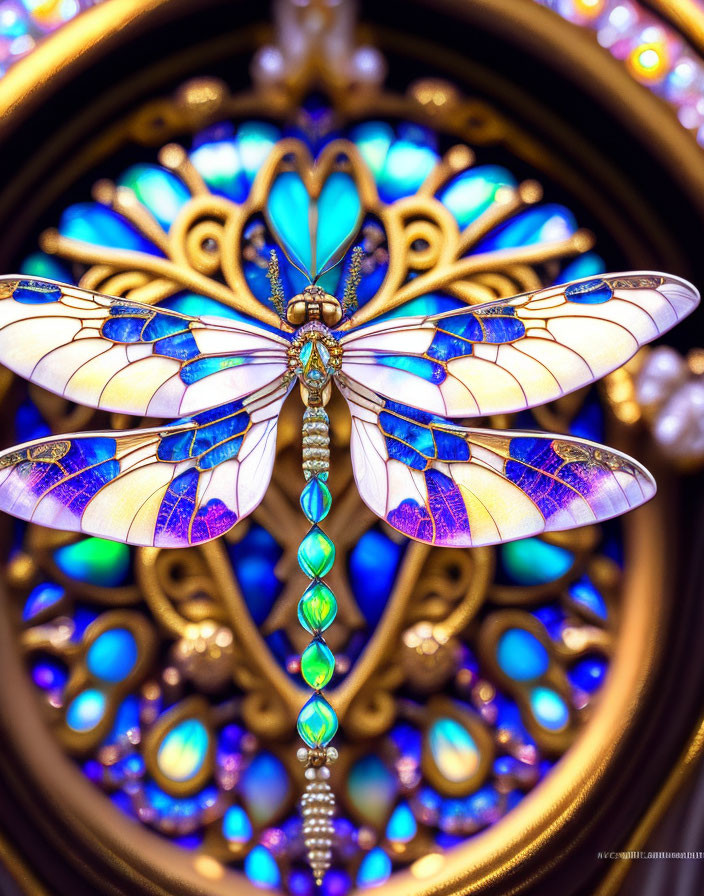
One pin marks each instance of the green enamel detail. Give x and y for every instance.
(316, 554)
(317, 608)
(316, 500)
(317, 664)
(317, 722)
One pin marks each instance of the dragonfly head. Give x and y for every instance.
(314, 304)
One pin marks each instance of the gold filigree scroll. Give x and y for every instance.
(203, 247)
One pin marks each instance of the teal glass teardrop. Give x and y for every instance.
(316, 500)
(317, 608)
(317, 722)
(316, 554)
(317, 664)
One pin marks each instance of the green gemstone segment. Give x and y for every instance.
(317, 608)
(316, 554)
(317, 722)
(317, 664)
(316, 500)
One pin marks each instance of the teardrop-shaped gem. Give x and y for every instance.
(317, 722)
(316, 554)
(317, 664)
(316, 500)
(317, 608)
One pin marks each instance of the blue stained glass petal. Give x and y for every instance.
(254, 558)
(374, 870)
(113, 654)
(93, 223)
(255, 140)
(261, 868)
(473, 192)
(540, 224)
(587, 265)
(42, 596)
(521, 655)
(218, 163)
(339, 210)
(157, 189)
(373, 565)
(39, 264)
(288, 210)
(406, 167)
(531, 561)
(86, 710)
(183, 750)
(373, 139)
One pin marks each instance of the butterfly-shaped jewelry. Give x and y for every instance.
(405, 379)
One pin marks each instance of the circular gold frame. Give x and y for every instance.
(152, 863)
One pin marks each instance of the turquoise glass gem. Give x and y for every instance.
(531, 561)
(86, 710)
(406, 167)
(375, 869)
(183, 750)
(95, 561)
(586, 265)
(317, 722)
(287, 209)
(261, 868)
(39, 264)
(317, 608)
(454, 750)
(549, 709)
(158, 190)
(521, 656)
(317, 664)
(316, 500)
(113, 655)
(316, 554)
(402, 826)
(236, 826)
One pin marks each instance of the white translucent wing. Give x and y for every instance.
(456, 487)
(173, 486)
(122, 356)
(519, 352)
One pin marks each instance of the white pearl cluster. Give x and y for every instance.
(318, 809)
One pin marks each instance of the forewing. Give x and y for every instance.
(519, 352)
(173, 486)
(122, 356)
(457, 487)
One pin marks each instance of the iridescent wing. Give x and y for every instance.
(173, 486)
(519, 352)
(458, 487)
(122, 356)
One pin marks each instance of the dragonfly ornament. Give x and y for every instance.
(405, 379)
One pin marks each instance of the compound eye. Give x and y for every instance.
(297, 312)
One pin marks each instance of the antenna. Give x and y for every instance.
(277, 289)
(349, 300)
